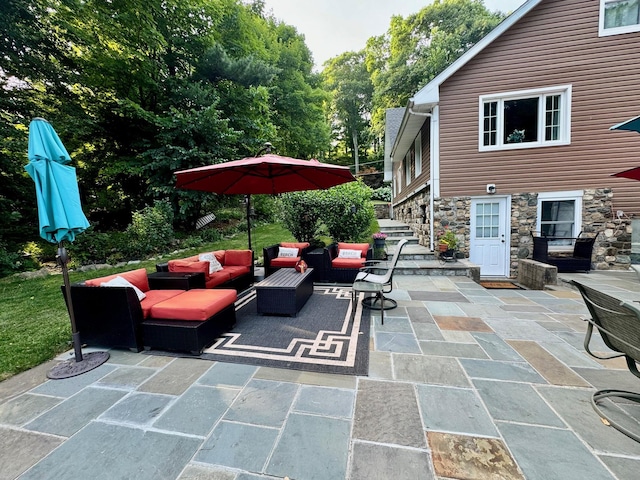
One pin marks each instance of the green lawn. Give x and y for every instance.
(35, 325)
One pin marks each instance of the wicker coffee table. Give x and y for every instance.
(284, 292)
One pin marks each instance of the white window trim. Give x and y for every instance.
(605, 32)
(576, 196)
(418, 156)
(565, 122)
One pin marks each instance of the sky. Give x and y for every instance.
(332, 27)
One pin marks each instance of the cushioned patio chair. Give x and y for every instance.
(344, 260)
(377, 278)
(283, 255)
(618, 322)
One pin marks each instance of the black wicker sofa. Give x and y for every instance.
(182, 320)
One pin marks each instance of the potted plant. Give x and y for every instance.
(447, 240)
(379, 241)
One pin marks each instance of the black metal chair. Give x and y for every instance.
(618, 322)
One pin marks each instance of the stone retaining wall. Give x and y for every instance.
(612, 250)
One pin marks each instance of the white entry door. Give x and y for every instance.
(489, 245)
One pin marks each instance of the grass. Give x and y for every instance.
(34, 322)
(35, 325)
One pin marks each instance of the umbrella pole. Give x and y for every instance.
(248, 202)
(81, 364)
(63, 259)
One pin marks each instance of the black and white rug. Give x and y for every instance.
(322, 338)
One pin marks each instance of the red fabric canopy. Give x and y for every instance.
(269, 174)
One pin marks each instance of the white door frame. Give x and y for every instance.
(504, 233)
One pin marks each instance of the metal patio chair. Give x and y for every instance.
(618, 322)
(370, 280)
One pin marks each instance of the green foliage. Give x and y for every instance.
(151, 230)
(301, 212)
(383, 194)
(347, 212)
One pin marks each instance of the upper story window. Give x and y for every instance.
(619, 16)
(525, 119)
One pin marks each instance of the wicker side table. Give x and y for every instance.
(284, 292)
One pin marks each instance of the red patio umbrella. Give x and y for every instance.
(268, 174)
(632, 173)
(633, 125)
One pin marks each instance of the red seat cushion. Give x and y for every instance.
(194, 305)
(136, 277)
(285, 262)
(218, 278)
(236, 271)
(348, 262)
(156, 296)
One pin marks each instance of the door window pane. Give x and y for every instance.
(487, 220)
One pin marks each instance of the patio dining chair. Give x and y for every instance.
(618, 322)
(370, 279)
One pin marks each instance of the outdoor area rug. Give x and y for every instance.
(322, 338)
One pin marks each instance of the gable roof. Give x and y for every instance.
(428, 96)
(392, 122)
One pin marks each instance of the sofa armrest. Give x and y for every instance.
(162, 267)
(107, 316)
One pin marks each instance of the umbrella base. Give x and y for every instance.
(71, 368)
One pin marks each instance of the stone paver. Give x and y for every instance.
(463, 383)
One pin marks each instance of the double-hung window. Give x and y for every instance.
(560, 215)
(525, 119)
(619, 16)
(417, 146)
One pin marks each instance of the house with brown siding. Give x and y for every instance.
(514, 137)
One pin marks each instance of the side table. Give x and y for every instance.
(316, 259)
(176, 280)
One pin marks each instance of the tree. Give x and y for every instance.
(349, 82)
(420, 47)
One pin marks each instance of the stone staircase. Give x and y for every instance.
(416, 259)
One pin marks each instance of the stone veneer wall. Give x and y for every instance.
(612, 250)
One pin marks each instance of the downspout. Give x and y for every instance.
(434, 165)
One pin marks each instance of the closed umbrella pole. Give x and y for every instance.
(60, 218)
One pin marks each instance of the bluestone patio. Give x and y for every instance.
(463, 383)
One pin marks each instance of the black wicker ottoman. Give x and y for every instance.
(284, 292)
(190, 321)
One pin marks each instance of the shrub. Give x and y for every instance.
(382, 194)
(347, 211)
(150, 230)
(300, 213)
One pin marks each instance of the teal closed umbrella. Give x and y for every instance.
(60, 218)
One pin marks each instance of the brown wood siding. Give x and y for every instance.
(555, 44)
(426, 167)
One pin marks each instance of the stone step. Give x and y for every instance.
(417, 259)
(398, 233)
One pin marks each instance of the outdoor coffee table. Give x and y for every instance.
(284, 292)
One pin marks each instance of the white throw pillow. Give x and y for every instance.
(123, 282)
(214, 264)
(284, 252)
(349, 254)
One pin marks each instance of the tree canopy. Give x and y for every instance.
(138, 89)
